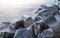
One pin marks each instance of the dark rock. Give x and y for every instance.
(19, 24)
(7, 35)
(23, 33)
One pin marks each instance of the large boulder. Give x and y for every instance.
(23, 33)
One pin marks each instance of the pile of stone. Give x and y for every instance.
(44, 25)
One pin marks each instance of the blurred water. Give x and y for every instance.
(16, 13)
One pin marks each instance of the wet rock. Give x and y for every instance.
(48, 33)
(28, 22)
(23, 33)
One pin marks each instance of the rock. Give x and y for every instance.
(23, 33)
(48, 33)
(38, 27)
(41, 8)
(4, 25)
(44, 6)
(49, 11)
(52, 10)
(59, 5)
(7, 35)
(8, 29)
(39, 14)
(43, 14)
(28, 22)
(58, 12)
(19, 24)
(37, 18)
(11, 28)
(51, 21)
(57, 31)
(48, 15)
